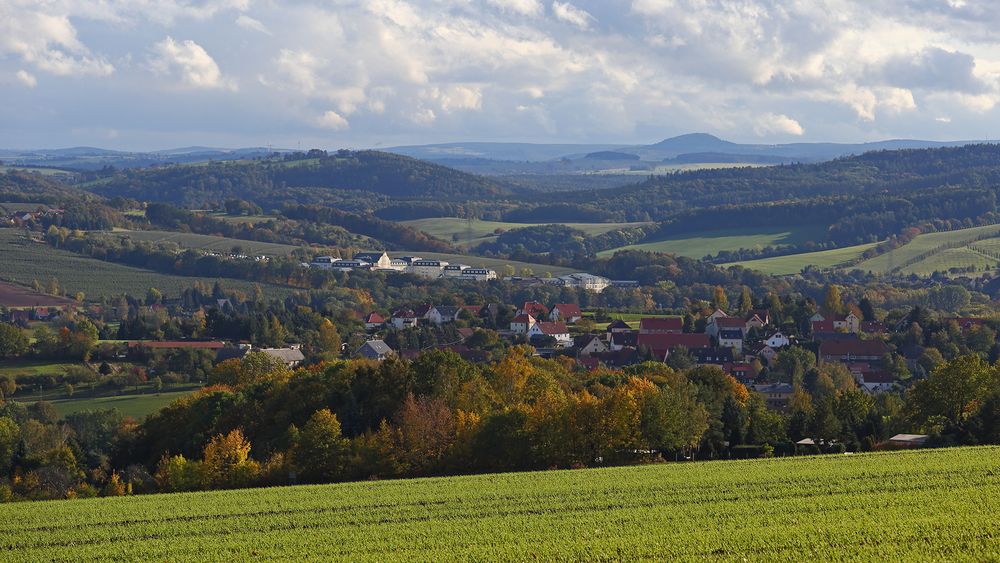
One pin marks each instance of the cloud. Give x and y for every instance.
(26, 78)
(246, 22)
(521, 7)
(564, 11)
(48, 42)
(189, 60)
(934, 68)
(771, 124)
(332, 120)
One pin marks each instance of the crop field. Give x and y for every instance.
(905, 506)
(930, 243)
(701, 244)
(209, 243)
(24, 261)
(794, 263)
(471, 233)
(15, 297)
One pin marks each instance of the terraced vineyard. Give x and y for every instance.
(918, 505)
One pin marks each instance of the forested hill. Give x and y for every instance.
(32, 187)
(316, 177)
(863, 197)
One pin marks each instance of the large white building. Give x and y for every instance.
(427, 268)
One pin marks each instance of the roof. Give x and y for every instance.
(853, 347)
(287, 355)
(909, 438)
(730, 334)
(377, 346)
(568, 309)
(535, 309)
(582, 340)
(374, 318)
(730, 322)
(762, 314)
(629, 338)
(422, 310)
(200, 344)
(553, 328)
(823, 326)
(618, 324)
(661, 343)
(404, 314)
(448, 310)
(774, 388)
(369, 256)
(522, 319)
(667, 323)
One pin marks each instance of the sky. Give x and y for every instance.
(154, 74)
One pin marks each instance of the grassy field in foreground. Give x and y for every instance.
(700, 244)
(471, 233)
(22, 261)
(794, 263)
(917, 505)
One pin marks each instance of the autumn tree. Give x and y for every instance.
(227, 461)
(321, 451)
(831, 301)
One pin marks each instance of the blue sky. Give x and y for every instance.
(146, 74)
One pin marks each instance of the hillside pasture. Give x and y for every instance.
(938, 505)
(899, 258)
(795, 263)
(210, 243)
(701, 244)
(17, 297)
(468, 233)
(24, 260)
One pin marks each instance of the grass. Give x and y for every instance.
(923, 244)
(24, 261)
(701, 244)
(919, 505)
(32, 368)
(210, 243)
(794, 263)
(471, 233)
(136, 405)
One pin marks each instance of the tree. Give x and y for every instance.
(13, 341)
(53, 287)
(8, 386)
(227, 461)
(327, 341)
(951, 391)
(10, 436)
(746, 301)
(177, 473)
(831, 301)
(321, 451)
(719, 299)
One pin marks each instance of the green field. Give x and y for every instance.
(24, 261)
(32, 367)
(474, 232)
(209, 243)
(937, 505)
(794, 263)
(136, 405)
(930, 242)
(701, 244)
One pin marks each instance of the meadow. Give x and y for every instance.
(900, 506)
(701, 244)
(933, 243)
(209, 243)
(24, 261)
(470, 233)
(794, 263)
(129, 403)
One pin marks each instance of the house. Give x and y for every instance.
(618, 359)
(768, 354)
(850, 351)
(716, 314)
(758, 318)
(618, 325)
(374, 321)
(666, 325)
(588, 345)
(376, 259)
(478, 274)
(374, 350)
(965, 324)
(522, 323)
(565, 312)
(777, 340)
(453, 270)
(292, 356)
(423, 312)
(403, 319)
(430, 269)
(403, 263)
(534, 308)
(740, 371)
(717, 324)
(731, 338)
(709, 355)
(620, 340)
(582, 280)
(661, 343)
(841, 323)
(344, 265)
(872, 379)
(874, 327)
(555, 330)
(776, 395)
(441, 314)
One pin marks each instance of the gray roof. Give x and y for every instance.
(731, 335)
(287, 355)
(773, 388)
(374, 348)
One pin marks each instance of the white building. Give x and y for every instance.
(585, 281)
(478, 274)
(777, 340)
(453, 270)
(429, 269)
(376, 259)
(555, 330)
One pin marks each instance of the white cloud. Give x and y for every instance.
(332, 120)
(780, 124)
(522, 7)
(189, 60)
(564, 11)
(26, 78)
(48, 42)
(246, 22)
